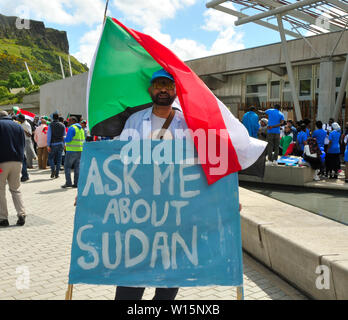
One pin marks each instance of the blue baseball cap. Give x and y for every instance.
(161, 74)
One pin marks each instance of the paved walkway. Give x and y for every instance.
(35, 258)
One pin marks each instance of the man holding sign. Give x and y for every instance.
(159, 122)
(167, 218)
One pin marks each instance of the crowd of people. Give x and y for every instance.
(54, 142)
(325, 148)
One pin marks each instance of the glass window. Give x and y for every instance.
(305, 87)
(256, 101)
(257, 88)
(256, 94)
(275, 87)
(338, 82)
(287, 96)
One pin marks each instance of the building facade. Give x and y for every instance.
(258, 76)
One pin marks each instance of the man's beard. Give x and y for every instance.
(163, 101)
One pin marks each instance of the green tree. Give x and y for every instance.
(4, 83)
(4, 93)
(14, 80)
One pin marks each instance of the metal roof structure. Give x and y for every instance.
(314, 16)
(292, 18)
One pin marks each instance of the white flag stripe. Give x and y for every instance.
(248, 149)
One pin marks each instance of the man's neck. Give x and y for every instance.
(161, 111)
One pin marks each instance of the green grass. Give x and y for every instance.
(14, 53)
(13, 56)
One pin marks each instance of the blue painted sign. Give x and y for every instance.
(144, 219)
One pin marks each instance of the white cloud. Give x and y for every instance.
(228, 39)
(64, 12)
(88, 44)
(149, 14)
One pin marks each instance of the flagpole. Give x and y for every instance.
(69, 65)
(61, 67)
(30, 77)
(106, 8)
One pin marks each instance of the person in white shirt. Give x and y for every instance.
(328, 128)
(29, 153)
(148, 124)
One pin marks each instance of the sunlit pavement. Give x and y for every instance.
(35, 258)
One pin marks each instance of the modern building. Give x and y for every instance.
(258, 76)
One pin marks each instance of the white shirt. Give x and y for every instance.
(141, 126)
(27, 127)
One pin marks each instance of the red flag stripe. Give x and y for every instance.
(199, 105)
(27, 114)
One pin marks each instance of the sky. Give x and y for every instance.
(186, 27)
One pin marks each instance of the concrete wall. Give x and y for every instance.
(281, 174)
(67, 96)
(294, 243)
(32, 99)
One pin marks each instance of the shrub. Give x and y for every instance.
(4, 93)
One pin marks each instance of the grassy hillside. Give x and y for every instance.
(14, 52)
(40, 48)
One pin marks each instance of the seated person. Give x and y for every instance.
(286, 140)
(311, 154)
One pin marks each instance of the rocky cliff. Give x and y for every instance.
(45, 38)
(40, 47)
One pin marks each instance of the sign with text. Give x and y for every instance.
(145, 216)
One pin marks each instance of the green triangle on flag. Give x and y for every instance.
(118, 80)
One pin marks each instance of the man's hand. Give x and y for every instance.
(49, 149)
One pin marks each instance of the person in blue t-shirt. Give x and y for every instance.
(251, 122)
(346, 158)
(320, 134)
(301, 138)
(307, 122)
(275, 120)
(332, 159)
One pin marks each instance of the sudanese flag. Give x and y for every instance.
(27, 114)
(118, 80)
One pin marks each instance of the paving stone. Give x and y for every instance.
(43, 245)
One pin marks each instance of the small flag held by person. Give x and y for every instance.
(28, 115)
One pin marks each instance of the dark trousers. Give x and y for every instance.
(55, 158)
(25, 174)
(72, 160)
(132, 293)
(273, 140)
